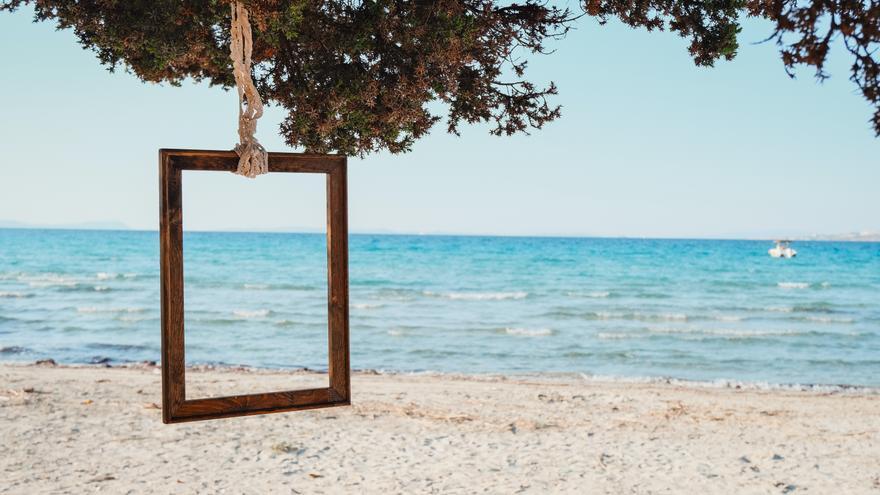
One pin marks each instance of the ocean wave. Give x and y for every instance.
(620, 356)
(395, 294)
(685, 317)
(619, 336)
(48, 280)
(479, 296)
(802, 308)
(294, 287)
(106, 275)
(704, 333)
(608, 315)
(251, 313)
(619, 315)
(598, 294)
(649, 335)
(814, 308)
(78, 287)
(220, 283)
(212, 321)
(671, 317)
(730, 332)
(728, 318)
(367, 305)
(780, 309)
(96, 309)
(120, 347)
(71, 329)
(611, 315)
(652, 295)
(529, 332)
(15, 295)
(828, 319)
(127, 318)
(793, 285)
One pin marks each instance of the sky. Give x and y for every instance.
(648, 146)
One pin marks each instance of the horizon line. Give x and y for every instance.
(872, 237)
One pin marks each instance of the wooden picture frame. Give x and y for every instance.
(176, 407)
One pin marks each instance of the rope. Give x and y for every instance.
(253, 159)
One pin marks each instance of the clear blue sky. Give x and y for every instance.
(648, 145)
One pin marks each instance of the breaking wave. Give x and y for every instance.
(793, 285)
(529, 332)
(479, 296)
(96, 309)
(251, 313)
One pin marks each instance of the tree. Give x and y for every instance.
(357, 76)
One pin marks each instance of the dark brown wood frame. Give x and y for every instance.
(175, 407)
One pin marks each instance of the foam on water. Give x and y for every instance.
(132, 319)
(702, 334)
(780, 309)
(597, 294)
(828, 319)
(15, 294)
(98, 309)
(251, 313)
(480, 296)
(637, 316)
(529, 332)
(729, 332)
(793, 285)
(728, 318)
(48, 280)
(367, 305)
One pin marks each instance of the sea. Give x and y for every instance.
(709, 311)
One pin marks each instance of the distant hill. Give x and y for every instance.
(864, 236)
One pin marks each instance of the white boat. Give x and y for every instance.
(783, 249)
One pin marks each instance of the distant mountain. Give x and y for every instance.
(864, 236)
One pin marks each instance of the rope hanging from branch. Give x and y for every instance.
(253, 159)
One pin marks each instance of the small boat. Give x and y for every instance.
(783, 249)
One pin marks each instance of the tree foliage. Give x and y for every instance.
(359, 76)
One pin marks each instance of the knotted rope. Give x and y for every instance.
(253, 159)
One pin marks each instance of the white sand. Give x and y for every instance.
(87, 429)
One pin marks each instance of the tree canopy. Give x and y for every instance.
(358, 76)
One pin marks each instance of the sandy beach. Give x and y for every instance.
(97, 429)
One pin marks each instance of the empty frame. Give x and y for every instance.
(175, 406)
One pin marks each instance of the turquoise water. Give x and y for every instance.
(690, 309)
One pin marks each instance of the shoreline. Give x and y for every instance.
(548, 376)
